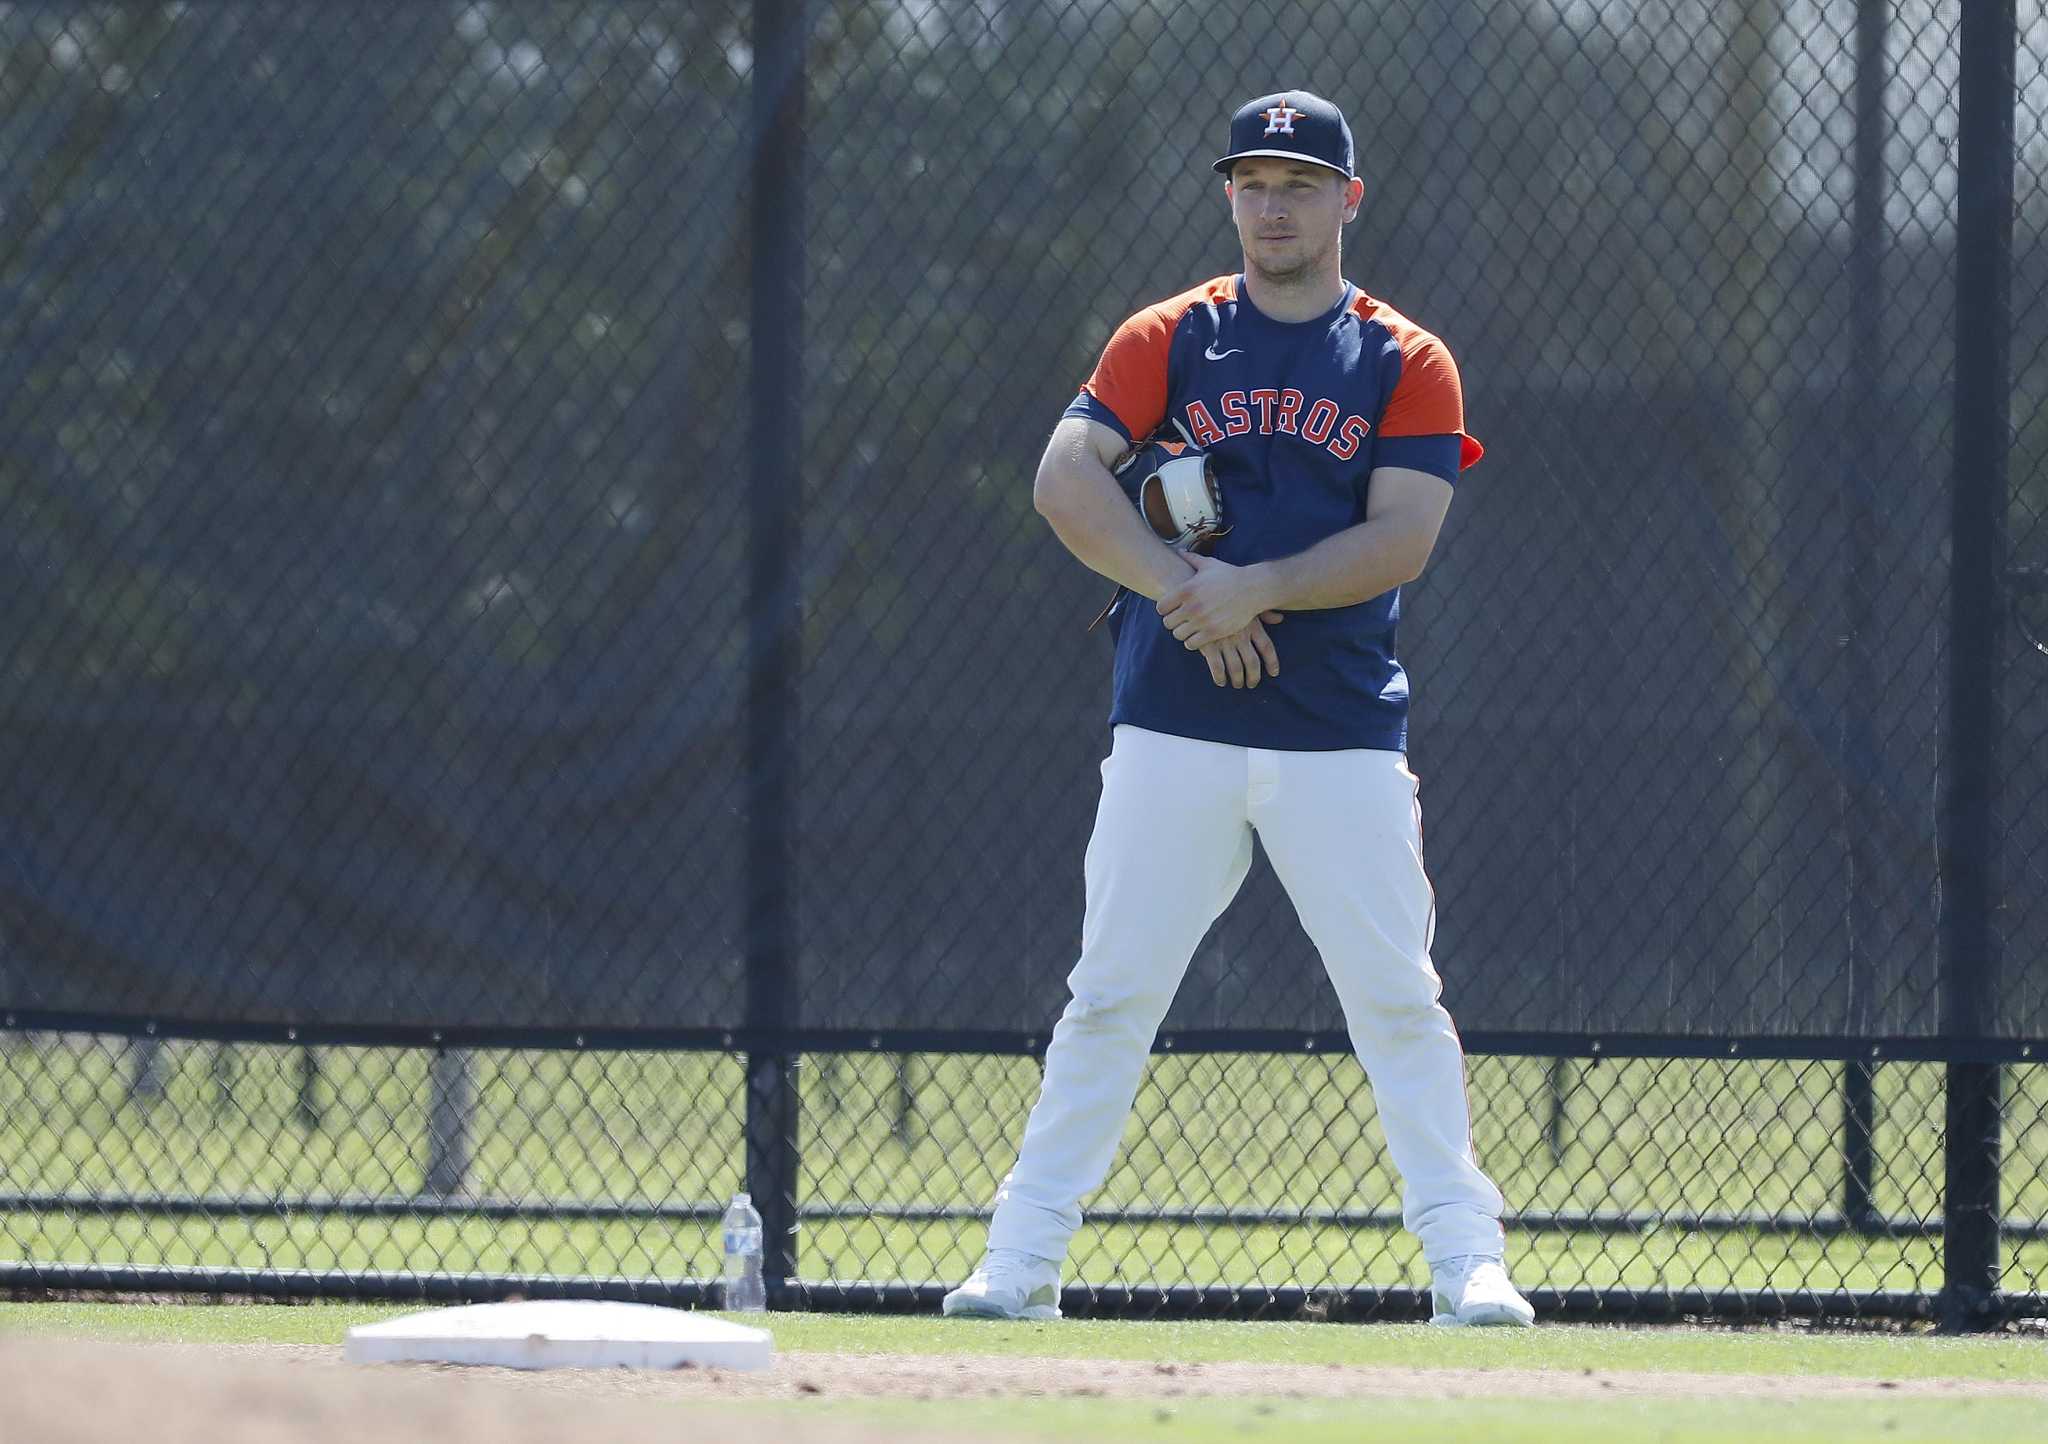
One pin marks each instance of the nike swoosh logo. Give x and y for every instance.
(1214, 355)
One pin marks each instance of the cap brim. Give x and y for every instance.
(1222, 167)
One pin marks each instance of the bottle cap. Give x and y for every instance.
(743, 1198)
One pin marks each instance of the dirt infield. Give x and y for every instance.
(231, 1393)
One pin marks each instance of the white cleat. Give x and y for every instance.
(1474, 1292)
(1010, 1284)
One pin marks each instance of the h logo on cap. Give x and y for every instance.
(1280, 119)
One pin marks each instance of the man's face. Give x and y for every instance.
(1289, 214)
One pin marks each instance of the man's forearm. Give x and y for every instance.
(1106, 533)
(1355, 565)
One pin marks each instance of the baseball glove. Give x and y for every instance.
(1173, 485)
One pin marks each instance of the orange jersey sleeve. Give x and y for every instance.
(1428, 400)
(1130, 379)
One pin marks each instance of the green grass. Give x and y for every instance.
(1259, 1131)
(1407, 1346)
(1604, 1351)
(1425, 1421)
(1299, 1421)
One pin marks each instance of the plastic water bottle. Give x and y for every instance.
(745, 1292)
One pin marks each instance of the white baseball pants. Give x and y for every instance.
(1171, 846)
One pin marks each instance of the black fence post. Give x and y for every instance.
(1865, 452)
(223, 1067)
(1859, 1147)
(1970, 761)
(1557, 1082)
(774, 623)
(146, 1082)
(905, 1128)
(307, 1105)
(451, 1104)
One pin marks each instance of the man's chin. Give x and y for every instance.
(1290, 274)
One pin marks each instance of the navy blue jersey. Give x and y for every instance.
(1297, 415)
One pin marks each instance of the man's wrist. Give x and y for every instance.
(1172, 571)
(1269, 585)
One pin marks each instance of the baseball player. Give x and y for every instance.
(1336, 430)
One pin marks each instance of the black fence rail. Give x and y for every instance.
(533, 696)
(1805, 1188)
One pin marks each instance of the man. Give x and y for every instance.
(1337, 429)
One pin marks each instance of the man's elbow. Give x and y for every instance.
(1053, 496)
(1413, 557)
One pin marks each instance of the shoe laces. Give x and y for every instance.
(1465, 1265)
(1013, 1261)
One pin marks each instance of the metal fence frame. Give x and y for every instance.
(1965, 1303)
(1983, 590)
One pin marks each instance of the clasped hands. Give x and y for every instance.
(1222, 612)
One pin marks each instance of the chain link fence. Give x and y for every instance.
(1248, 1181)
(532, 694)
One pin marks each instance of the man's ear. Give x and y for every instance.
(1354, 197)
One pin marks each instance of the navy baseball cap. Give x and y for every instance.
(1293, 125)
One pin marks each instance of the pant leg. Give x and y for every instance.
(1344, 832)
(1170, 849)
